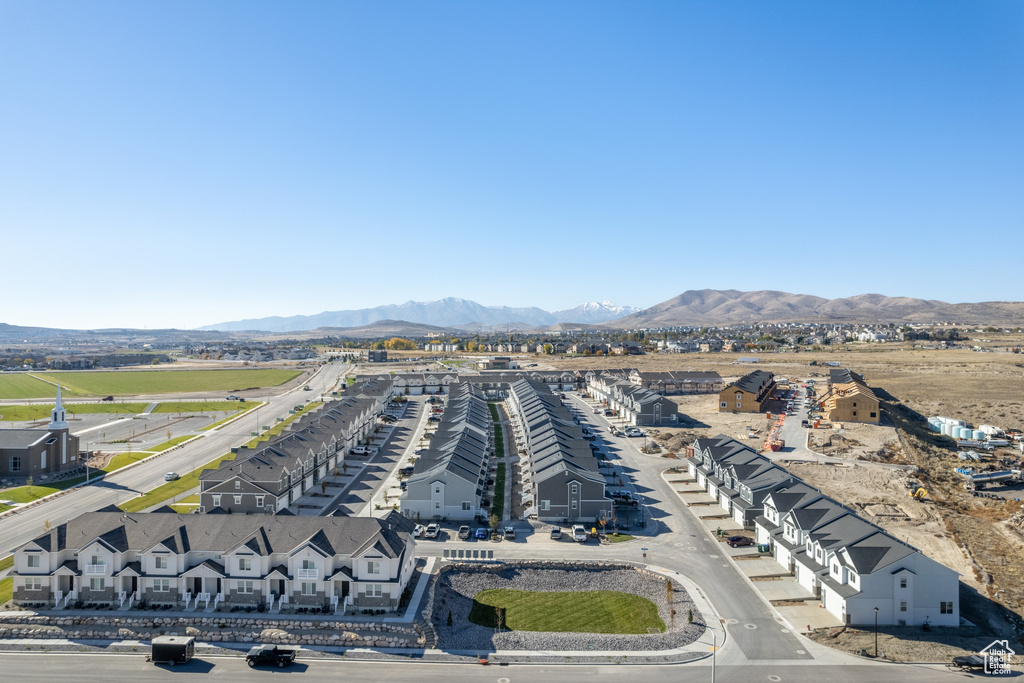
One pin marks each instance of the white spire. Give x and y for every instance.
(58, 416)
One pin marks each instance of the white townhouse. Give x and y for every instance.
(851, 565)
(204, 561)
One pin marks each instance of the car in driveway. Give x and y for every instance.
(633, 431)
(432, 531)
(417, 531)
(510, 533)
(464, 532)
(171, 476)
(556, 533)
(481, 533)
(363, 450)
(579, 533)
(739, 541)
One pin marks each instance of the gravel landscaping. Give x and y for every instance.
(455, 588)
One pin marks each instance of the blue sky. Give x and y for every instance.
(175, 164)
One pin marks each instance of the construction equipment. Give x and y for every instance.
(919, 493)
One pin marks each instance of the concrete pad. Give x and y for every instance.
(742, 551)
(785, 589)
(809, 614)
(707, 511)
(761, 567)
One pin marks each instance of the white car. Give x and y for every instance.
(417, 531)
(432, 530)
(171, 476)
(579, 533)
(363, 450)
(633, 431)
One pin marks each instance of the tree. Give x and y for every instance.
(549, 349)
(494, 521)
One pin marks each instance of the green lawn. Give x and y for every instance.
(125, 459)
(5, 508)
(198, 406)
(101, 383)
(7, 562)
(26, 494)
(19, 385)
(159, 448)
(42, 410)
(6, 589)
(498, 503)
(612, 538)
(576, 612)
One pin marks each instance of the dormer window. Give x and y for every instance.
(238, 484)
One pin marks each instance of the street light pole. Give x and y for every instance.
(876, 632)
(714, 652)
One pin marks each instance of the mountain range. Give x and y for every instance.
(449, 312)
(725, 307)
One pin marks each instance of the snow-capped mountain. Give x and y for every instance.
(447, 312)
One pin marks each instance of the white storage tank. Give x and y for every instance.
(965, 432)
(947, 429)
(978, 434)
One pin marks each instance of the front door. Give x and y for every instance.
(135, 585)
(197, 585)
(218, 586)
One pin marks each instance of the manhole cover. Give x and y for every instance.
(774, 678)
(750, 626)
(732, 621)
(801, 652)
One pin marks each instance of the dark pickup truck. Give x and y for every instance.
(271, 654)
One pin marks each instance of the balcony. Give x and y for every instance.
(95, 569)
(308, 573)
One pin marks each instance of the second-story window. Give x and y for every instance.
(373, 567)
(245, 564)
(160, 561)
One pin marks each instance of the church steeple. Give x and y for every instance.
(58, 417)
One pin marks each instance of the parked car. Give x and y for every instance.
(579, 534)
(738, 541)
(464, 532)
(633, 431)
(556, 532)
(432, 530)
(107, 398)
(232, 397)
(171, 476)
(481, 533)
(433, 418)
(805, 423)
(363, 450)
(271, 654)
(417, 531)
(510, 533)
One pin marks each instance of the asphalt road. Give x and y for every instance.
(103, 668)
(23, 525)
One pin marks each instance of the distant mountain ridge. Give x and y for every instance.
(725, 307)
(447, 312)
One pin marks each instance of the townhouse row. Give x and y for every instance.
(633, 403)
(449, 477)
(561, 481)
(272, 477)
(850, 564)
(190, 562)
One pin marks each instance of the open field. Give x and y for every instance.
(119, 383)
(41, 411)
(19, 385)
(26, 494)
(569, 612)
(199, 406)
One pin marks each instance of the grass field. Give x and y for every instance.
(612, 538)
(7, 563)
(5, 508)
(6, 589)
(26, 494)
(575, 612)
(24, 386)
(42, 411)
(166, 381)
